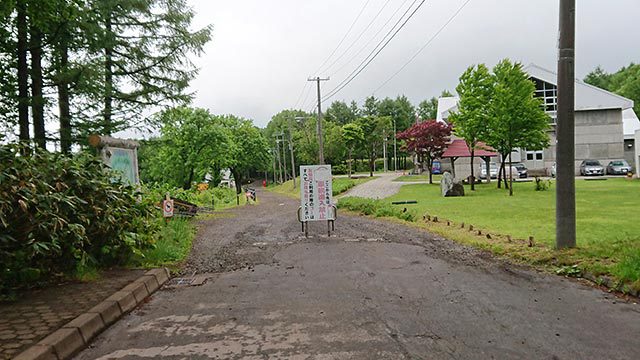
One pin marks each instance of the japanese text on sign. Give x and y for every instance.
(316, 197)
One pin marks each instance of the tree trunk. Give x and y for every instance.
(500, 171)
(187, 184)
(63, 97)
(510, 177)
(237, 177)
(350, 151)
(23, 71)
(108, 77)
(37, 100)
(472, 180)
(430, 168)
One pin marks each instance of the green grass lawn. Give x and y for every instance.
(608, 230)
(421, 177)
(340, 185)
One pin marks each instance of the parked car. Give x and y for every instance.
(493, 170)
(618, 167)
(522, 170)
(591, 167)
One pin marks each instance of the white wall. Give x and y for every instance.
(637, 146)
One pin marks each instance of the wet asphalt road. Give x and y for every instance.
(374, 290)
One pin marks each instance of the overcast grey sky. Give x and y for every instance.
(262, 52)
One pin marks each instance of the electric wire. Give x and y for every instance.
(455, 14)
(370, 58)
(346, 51)
(366, 45)
(344, 37)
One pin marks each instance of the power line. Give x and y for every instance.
(370, 58)
(424, 46)
(301, 93)
(370, 40)
(358, 37)
(343, 38)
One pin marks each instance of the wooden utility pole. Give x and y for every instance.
(319, 126)
(565, 129)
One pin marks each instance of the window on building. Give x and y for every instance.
(534, 155)
(549, 95)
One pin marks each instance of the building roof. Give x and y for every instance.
(587, 97)
(458, 148)
(630, 123)
(445, 106)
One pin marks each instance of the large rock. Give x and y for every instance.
(449, 187)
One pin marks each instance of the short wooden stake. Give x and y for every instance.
(530, 241)
(462, 226)
(508, 238)
(479, 232)
(435, 219)
(489, 236)
(470, 227)
(448, 223)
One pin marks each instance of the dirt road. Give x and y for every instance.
(374, 290)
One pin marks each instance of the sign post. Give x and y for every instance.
(316, 197)
(167, 207)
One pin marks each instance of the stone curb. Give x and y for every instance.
(78, 333)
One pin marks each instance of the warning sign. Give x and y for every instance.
(167, 208)
(316, 194)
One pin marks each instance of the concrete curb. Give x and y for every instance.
(78, 333)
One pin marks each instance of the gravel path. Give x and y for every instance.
(379, 188)
(373, 290)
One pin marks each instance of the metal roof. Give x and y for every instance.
(458, 148)
(587, 97)
(445, 106)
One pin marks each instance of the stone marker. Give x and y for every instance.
(449, 187)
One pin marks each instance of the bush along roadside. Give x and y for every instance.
(61, 214)
(568, 262)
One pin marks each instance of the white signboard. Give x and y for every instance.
(167, 208)
(316, 197)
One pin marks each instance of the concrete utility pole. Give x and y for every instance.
(384, 152)
(278, 156)
(565, 129)
(395, 153)
(319, 126)
(284, 156)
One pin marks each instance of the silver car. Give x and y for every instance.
(618, 167)
(591, 167)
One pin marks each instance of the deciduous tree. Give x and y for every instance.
(470, 119)
(428, 139)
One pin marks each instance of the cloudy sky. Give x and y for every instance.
(262, 52)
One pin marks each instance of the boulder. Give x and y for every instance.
(446, 183)
(456, 190)
(449, 187)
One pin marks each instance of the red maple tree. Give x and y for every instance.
(428, 139)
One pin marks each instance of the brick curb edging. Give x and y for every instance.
(77, 334)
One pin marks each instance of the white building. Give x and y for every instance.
(599, 132)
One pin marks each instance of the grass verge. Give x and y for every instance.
(607, 230)
(340, 185)
(421, 177)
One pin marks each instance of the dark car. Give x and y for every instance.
(522, 170)
(618, 167)
(591, 167)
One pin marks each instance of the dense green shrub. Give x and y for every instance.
(222, 195)
(60, 213)
(378, 208)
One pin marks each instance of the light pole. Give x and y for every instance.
(319, 124)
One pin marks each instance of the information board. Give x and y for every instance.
(316, 196)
